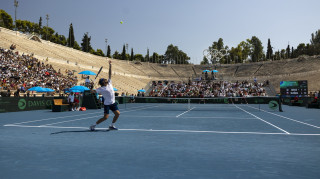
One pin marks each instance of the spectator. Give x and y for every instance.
(132, 100)
(71, 101)
(76, 102)
(208, 89)
(17, 93)
(28, 72)
(87, 82)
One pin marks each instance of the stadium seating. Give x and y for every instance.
(128, 76)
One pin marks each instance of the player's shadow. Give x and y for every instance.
(61, 132)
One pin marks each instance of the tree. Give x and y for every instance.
(235, 54)
(99, 52)
(109, 52)
(147, 58)
(132, 55)
(269, 50)
(47, 33)
(315, 38)
(218, 46)
(123, 54)
(277, 55)
(155, 57)
(301, 49)
(116, 55)
(71, 36)
(245, 50)
(139, 57)
(21, 25)
(55, 38)
(170, 54)
(315, 42)
(292, 54)
(40, 22)
(62, 40)
(6, 20)
(175, 56)
(283, 54)
(92, 51)
(76, 45)
(257, 49)
(288, 52)
(85, 45)
(39, 25)
(204, 61)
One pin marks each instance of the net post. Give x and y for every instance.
(189, 104)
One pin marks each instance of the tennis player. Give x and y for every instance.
(106, 90)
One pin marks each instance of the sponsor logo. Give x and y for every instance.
(273, 105)
(22, 104)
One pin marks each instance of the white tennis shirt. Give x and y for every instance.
(71, 98)
(108, 93)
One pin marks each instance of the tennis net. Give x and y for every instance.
(204, 104)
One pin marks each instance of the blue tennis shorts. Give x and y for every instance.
(112, 107)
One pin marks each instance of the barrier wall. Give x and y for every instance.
(13, 104)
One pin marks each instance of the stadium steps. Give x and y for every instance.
(156, 70)
(166, 70)
(194, 71)
(184, 71)
(176, 73)
(235, 73)
(146, 67)
(137, 69)
(258, 69)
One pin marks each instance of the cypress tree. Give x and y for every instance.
(288, 52)
(85, 45)
(40, 22)
(109, 52)
(132, 55)
(147, 56)
(38, 30)
(123, 54)
(269, 50)
(71, 36)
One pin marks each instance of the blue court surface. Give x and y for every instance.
(163, 141)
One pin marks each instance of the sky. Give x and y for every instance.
(192, 25)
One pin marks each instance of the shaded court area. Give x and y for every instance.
(163, 141)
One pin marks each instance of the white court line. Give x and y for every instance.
(221, 117)
(263, 120)
(72, 120)
(47, 119)
(288, 118)
(156, 130)
(185, 112)
(92, 117)
(209, 117)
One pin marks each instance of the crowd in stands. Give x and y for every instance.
(21, 72)
(207, 89)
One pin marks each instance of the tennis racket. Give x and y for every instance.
(96, 76)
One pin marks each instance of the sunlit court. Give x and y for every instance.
(163, 140)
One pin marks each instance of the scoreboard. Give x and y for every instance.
(294, 88)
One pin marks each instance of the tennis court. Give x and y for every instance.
(157, 140)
